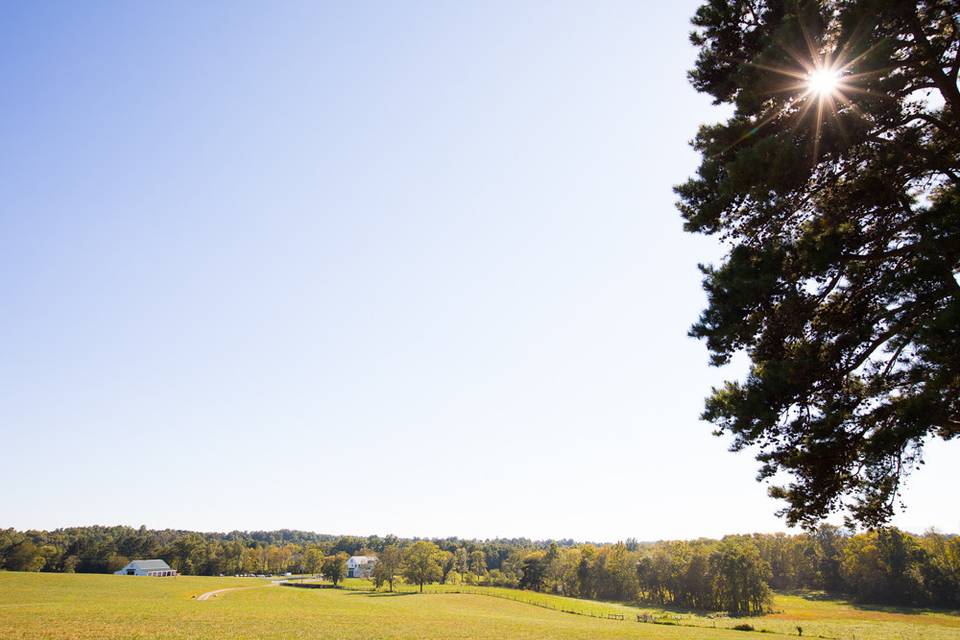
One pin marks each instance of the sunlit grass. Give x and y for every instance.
(60, 606)
(818, 616)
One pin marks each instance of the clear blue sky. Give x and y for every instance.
(365, 269)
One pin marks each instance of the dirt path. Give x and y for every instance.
(215, 592)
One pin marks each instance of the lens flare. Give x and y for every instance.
(823, 82)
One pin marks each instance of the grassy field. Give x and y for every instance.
(825, 618)
(105, 606)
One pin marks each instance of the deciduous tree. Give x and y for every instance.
(740, 578)
(461, 561)
(534, 572)
(313, 560)
(388, 566)
(334, 567)
(478, 563)
(422, 563)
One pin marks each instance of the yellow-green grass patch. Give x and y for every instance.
(59, 606)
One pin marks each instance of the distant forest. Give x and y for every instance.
(884, 566)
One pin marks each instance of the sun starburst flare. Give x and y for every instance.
(821, 85)
(823, 82)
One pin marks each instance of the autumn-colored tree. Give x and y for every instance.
(313, 560)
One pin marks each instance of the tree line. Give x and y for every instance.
(735, 574)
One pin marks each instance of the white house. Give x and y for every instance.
(146, 568)
(360, 566)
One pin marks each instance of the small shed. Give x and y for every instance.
(156, 568)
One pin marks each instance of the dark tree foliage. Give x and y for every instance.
(841, 212)
(533, 574)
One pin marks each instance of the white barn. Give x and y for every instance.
(360, 566)
(147, 568)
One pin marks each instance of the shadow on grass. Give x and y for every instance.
(816, 596)
(382, 594)
(678, 610)
(837, 598)
(891, 608)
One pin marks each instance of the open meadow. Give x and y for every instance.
(43, 605)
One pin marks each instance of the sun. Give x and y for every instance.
(818, 90)
(823, 82)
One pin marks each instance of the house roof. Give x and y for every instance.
(149, 565)
(362, 559)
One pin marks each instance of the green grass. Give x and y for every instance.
(590, 608)
(59, 606)
(824, 618)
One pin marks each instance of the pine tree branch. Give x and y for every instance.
(947, 88)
